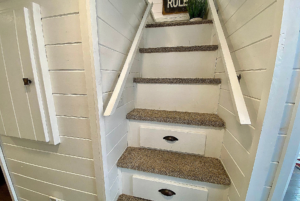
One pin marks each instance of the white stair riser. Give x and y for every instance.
(178, 97)
(186, 141)
(211, 144)
(189, 35)
(215, 192)
(199, 64)
(148, 188)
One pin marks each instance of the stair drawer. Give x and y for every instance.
(172, 140)
(154, 189)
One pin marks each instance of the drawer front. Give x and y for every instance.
(154, 189)
(173, 140)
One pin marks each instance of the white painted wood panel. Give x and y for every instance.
(178, 97)
(178, 36)
(293, 86)
(251, 83)
(65, 179)
(271, 173)
(246, 13)
(53, 190)
(50, 8)
(71, 82)
(27, 194)
(118, 117)
(109, 80)
(71, 105)
(127, 96)
(258, 28)
(279, 146)
(233, 195)
(237, 151)
(231, 8)
(74, 127)
(233, 170)
(14, 76)
(43, 65)
(14, 71)
(30, 70)
(214, 136)
(148, 188)
(55, 29)
(109, 14)
(178, 65)
(63, 57)
(111, 59)
(132, 11)
(6, 106)
(187, 142)
(68, 147)
(117, 152)
(51, 160)
(114, 137)
(243, 134)
(124, 76)
(2, 130)
(287, 115)
(114, 190)
(112, 39)
(253, 57)
(252, 105)
(219, 65)
(112, 176)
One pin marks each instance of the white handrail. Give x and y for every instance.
(239, 104)
(117, 93)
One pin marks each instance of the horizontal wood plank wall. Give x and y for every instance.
(65, 171)
(118, 21)
(248, 29)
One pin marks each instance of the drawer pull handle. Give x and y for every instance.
(167, 192)
(170, 138)
(26, 81)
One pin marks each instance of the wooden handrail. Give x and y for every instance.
(238, 100)
(117, 93)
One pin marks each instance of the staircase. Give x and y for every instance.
(175, 135)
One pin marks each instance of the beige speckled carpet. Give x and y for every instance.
(189, 118)
(185, 166)
(214, 81)
(180, 23)
(179, 49)
(124, 197)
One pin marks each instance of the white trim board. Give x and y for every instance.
(291, 148)
(274, 95)
(88, 24)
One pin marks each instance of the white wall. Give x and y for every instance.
(118, 21)
(65, 171)
(248, 26)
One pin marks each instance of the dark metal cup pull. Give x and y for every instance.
(167, 192)
(170, 138)
(26, 81)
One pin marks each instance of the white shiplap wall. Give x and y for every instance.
(65, 171)
(118, 21)
(248, 26)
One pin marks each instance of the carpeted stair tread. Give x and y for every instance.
(180, 165)
(189, 118)
(179, 49)
(214, 81)
(124, 197)
(172, 24)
